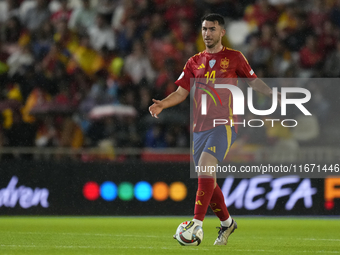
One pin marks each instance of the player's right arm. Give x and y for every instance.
(173, 99)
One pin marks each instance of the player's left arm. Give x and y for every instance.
(259, 86)
(244, 70)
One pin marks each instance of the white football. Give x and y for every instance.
(189, 233)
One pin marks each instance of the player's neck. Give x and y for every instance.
(216, 49)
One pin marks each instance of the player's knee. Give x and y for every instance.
(207, 159)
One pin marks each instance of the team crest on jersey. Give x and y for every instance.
(212, 63)
(224, 63)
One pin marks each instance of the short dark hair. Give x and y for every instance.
(214, 17)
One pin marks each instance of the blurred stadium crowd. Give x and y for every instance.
(59, 60)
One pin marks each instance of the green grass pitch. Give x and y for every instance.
(153, 235)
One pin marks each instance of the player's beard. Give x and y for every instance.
(213, 44)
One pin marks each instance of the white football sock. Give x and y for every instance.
(199, 222)
(227, 222)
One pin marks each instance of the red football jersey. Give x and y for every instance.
(205, 68)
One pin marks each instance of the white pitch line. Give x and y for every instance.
(97, 247)
(156, 236)
(83, 234)
(125, 247)
(328, 251)
(319, 239)
(322, 251)
(289, 238)
(241, 250)
(155, 248)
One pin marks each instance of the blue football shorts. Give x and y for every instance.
(216, 141)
